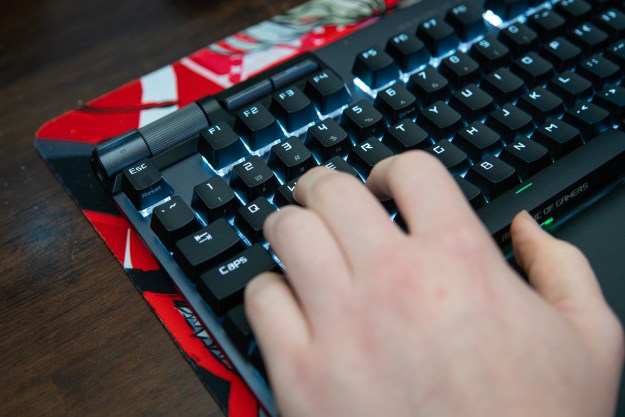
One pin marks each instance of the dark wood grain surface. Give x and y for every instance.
(76, 338)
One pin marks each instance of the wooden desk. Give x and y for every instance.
(76, 338)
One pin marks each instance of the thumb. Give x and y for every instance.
(557, 270)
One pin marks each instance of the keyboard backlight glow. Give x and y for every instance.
(520, 190)
(492, 18)
(547, 222)
(148, 210)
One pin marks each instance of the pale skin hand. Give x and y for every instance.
(371, 321)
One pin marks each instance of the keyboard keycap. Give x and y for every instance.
(599, 71)
(547, 24)
(492, 176)
(612, 22)
(519, 38)
(375, 67)
(533, 69)
(144, 185)
(214, 199)
(408, 51)
(472, 102)
(366, 154)
(440, 120)
(206, 247)
(559, 137)
(526, 156)
(327, 91)
(506, 9)
(478, 141)
(257, 126)
(293, 109)
(439, 36)
(471, 192)
(222, 286)
(589, 38)
(574, 12)
(460, 69)
(327, 139)
(616, 53)
(238, 328)
(395, 102)
(220, 145)
(613, 100)
(173, 220)
(284, 194)
(290, 159)
(467, 21)
(429, 86)
(251, 217)
(590, 119)
(541, 104)
(253, 178)
(503, 86)
(570, 87)
(490, 53)
(561, 53)
(451, 156)
(510, 122)
(361, 120)
(406, 135)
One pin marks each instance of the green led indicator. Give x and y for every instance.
(547, 222)
(520, 190)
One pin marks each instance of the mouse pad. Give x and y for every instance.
(66, 142)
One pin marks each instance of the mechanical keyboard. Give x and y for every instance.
(520, 99)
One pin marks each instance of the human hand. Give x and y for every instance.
(371, 321)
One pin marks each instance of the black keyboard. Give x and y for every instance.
(520, 100)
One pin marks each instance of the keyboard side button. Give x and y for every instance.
(144, 185)
(213, 199)
(222, 286)
(251, 217)
(206, 247)
(173, 220)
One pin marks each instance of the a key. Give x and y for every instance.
(326, 139)
(439, 36)
(570, 87)
(406, 135)
(361, 120)
(472, 102)
(519, 38)
(492, 176)
(526, 156)
(541, 104)
(503, 86)
(366, 154)
(478, 141)
(284, 194)
(206, 247)
(253, 178)
(144, 185)
(440, 120)
(250, 218)
(173, 220)
(337, 163)
(471, 192)
(590, 119)
(375, 67)
(533, 69)
(454, 159)
(238, 328)
(613, 100)
(616, 53)
(460, 69)
(408, 51)
(395, 102)
(561, 53)
(327, 91)
(547, 24)
(558, 137)
(214, 199)
(612, 22)
(257, 126)
(467, 21)
(490, 53)
(429, 86)
(589, 38)
(293, 109)
(290, 158)
(574, 11)
(220, 145)
(506, 9)
(222, 286)
(599, 71)
(510, 122)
